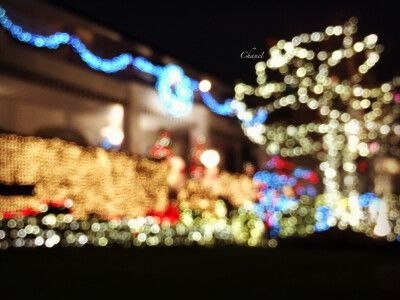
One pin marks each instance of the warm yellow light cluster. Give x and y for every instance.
(349, 120)
(195, 195)
(100, 182)
(234, 188)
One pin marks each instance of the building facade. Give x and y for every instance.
(52, 93)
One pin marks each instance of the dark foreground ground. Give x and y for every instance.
(323, 267)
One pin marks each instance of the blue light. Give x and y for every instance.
(142, 64)
(322, 215)
(106, 144)
(258, 118)
(300, 173)
(273, 199)
(368, 199)
(177, 96)
(274, 232)
(39, 42)
(311, 191)
(300, 191)
(220, 109)
(270, 164)
(292, 181)
(175, 91)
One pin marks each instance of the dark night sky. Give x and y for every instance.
(212, 37)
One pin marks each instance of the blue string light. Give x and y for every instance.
(53, 41)
(224, 109)
(258, 118)
(176, 90)
(142, 64)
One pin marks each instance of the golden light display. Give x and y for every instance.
(103, 183)
(113, 197)
(236, 189)
(350, 119)
(60, 228)
(113, 193)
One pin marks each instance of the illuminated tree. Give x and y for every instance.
(315, 108)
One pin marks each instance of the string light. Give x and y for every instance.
(100, 182)
(54, 225)
(122, 199)
(204, 86)
(210, 158)
(283, 193)
(176, 90)
(107, 184)
(353, 121)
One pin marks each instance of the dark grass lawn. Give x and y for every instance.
(333, 267)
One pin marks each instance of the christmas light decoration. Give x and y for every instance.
(350, 120)
(161, 148)
(289, 204)
(210, 158)
(134, 210)
(237, 189)
(104, 183)
(196, 168)
(113, 134)
(53, 224)
(204, 86)
(176, 90)
(282, 193)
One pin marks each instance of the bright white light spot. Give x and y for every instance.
(175, 76)
(385, 129)
(330, 173)
(358, 47)
(82, 239)
(116, 114)
(113, 134)
(382, 227)
(371, 39)
(204, 85)
(210, 158)
(39, 241)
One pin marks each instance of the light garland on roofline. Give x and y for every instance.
(176, 90)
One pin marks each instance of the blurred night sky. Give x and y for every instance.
(211, 37)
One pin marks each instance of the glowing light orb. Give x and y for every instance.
(175, 90)
(113, 134)
(210, 158)
(204, 85)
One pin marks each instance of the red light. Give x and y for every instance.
(313, 178)
(280, 164)
(8, 215)
(362, 166)
(26, 211)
